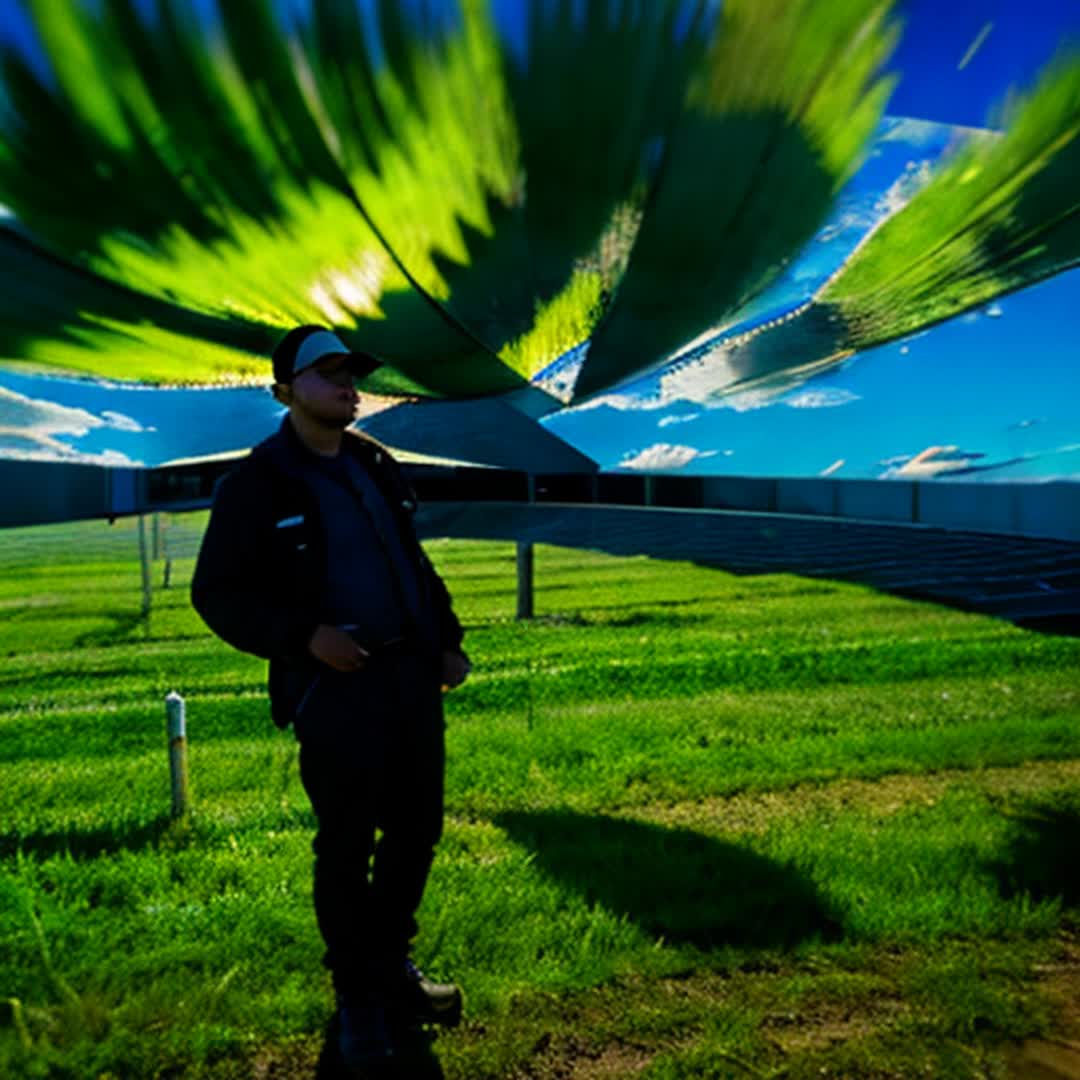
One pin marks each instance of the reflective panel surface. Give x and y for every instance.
(542, 202)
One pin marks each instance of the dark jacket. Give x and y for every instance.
(261, 567)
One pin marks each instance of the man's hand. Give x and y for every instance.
(335, 648)
(455, 669)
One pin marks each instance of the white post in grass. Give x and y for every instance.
(178, 770)
(524, 580)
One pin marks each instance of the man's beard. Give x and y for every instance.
(337, 423)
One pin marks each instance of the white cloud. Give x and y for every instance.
(25, 446)
(750, 400)
(50, 418)
(933, 461)
(866, 214)
(663, 456)
(821, 399)
(909, 130)
(667, 421)
(852, 219)
(622, 402)
(559, 377)
(700, 382)
(29, 429)
(697, 380)
(123, 423)
(991, 311)
(45, 417)
(903, 189)
(708, 378)
(705, 380)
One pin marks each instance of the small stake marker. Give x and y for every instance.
(178, 770)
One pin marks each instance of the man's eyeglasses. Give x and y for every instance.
(339, 376)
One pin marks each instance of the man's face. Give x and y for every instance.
(325, 392)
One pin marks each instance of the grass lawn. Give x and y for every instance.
(698, 825)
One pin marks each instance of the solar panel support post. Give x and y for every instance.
(524, 580)
(144, 560)
(525, 567)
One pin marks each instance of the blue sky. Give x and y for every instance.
(994, 390)
(999, 385)
(1017, 38)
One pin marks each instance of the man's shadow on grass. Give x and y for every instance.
(677, 885)
(1043, 859)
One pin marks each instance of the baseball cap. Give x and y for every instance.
(307, 345)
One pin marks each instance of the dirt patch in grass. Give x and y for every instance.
(756, 812)
(820, 1026)
(1056, 1057)
(619, 1029)
(614, 1061)
(590, 1041)
(836, 1013)
(570, 1058)
(292, 1059)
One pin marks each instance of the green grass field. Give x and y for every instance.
(698, 826)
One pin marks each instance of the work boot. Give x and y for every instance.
(363, 1034)
(414, 1000)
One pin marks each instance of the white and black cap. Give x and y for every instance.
(307, 345)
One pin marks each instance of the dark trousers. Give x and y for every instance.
(372, 758)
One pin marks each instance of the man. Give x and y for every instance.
(310, 560)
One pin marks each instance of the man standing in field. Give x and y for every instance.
(310, 560)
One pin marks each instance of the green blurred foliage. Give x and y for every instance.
(186, 189)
